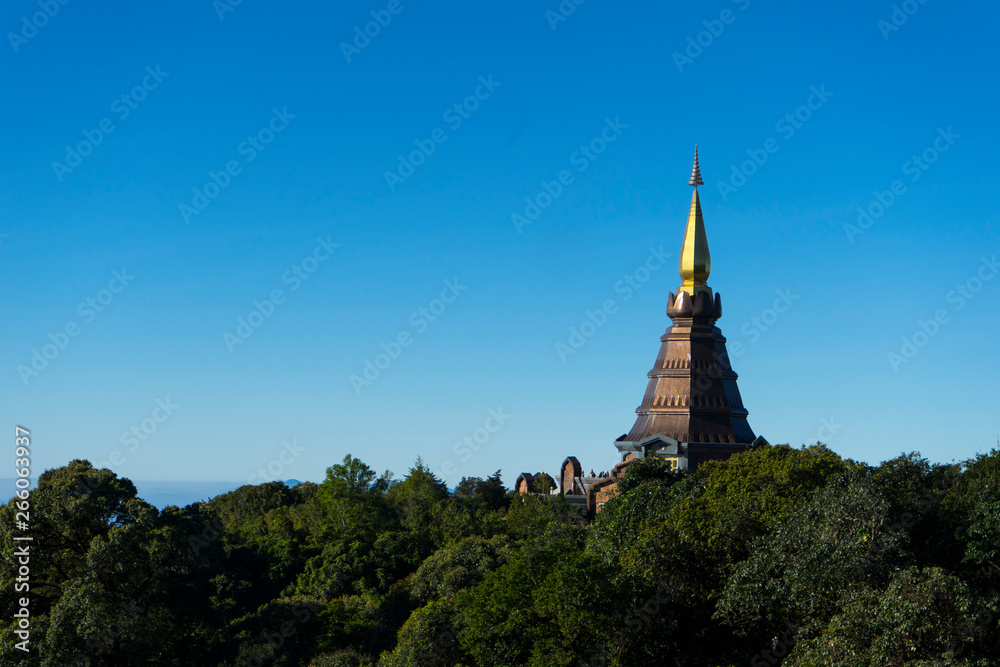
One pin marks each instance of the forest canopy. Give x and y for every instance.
(780, 555)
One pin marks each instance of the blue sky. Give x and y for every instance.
(288, 136)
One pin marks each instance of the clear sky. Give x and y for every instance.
(218, 155)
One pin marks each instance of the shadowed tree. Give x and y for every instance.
(921, 618)
(116, 580)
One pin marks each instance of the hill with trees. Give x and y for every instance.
(781, 555)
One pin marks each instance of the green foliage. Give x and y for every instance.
(420, 488)
(351, 478)
(458, 566)
(418, 499)
(976, 499)
(546, 606)
(485, 495)
(777, 555)
(347, 657)
(544, 483)
(651, 469)
(741, 497)
(353, 499)
(702, 525)
(646, 496)
(921, 618)
(530, 515)
(916, 490)
(110, 575)
(428, 639)
(280, 633)
(797, 573)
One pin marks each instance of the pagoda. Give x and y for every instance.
(692, 410)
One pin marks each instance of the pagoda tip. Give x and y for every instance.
(695, 171)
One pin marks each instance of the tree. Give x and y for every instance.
(483, 494)
(530, 515)
(456, 567)
(796, 574)
(550, 604)
(544, 483)
(646, 496)
(923, 617)
(417, 499)
(974, 506)
(353, 497)
(109, 582)
(352, 478)
(704, 525)
(428, 639)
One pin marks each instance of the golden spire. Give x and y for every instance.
(695, 262)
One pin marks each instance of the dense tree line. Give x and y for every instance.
(776, 556)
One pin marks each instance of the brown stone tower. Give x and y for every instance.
(692, 410)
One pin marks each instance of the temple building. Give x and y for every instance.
(692, 410)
